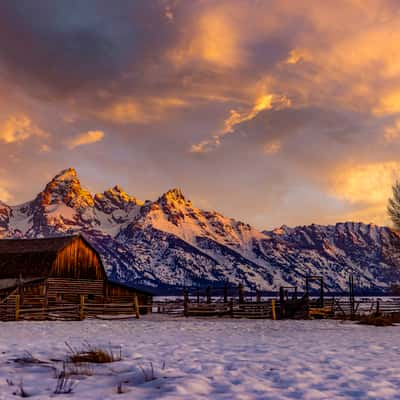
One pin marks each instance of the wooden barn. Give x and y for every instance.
(60, 270)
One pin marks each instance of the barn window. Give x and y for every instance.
(90, 296)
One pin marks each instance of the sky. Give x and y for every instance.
(272, 112)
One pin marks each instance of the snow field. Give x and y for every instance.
(208, 359)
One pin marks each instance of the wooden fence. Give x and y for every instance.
(233, 309)
(345, 308)
(15, 311)
(340, 308)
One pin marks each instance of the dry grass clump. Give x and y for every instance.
(148, 373)
(65, 384)
(376, 320)
(93, 354)
(28, 358)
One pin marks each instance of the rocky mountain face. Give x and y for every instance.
(170, 242)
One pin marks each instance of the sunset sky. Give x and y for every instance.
(272, 112)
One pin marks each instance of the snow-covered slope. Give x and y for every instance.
(171, 242)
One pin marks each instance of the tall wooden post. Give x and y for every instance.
(321, 295)
(241, 293)
(17, 307)
(82, 308)
(226, 292)
(282, 302)
(45, 294)
(351, 295)
(185, 302)
(136, 305)
(208, 294)
(258, 296)
(307, 293)
(273, 309)
(198, 295)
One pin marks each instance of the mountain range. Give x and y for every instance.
(169, 242)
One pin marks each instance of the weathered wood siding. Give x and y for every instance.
(77, 261)
(27, 289)
(70, 290)
(119, 293)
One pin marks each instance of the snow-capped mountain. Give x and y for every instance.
(170, 242)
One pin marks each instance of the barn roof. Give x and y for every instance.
(46, 245)
(30, 258)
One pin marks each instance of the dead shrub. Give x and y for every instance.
(21, 392)
(93, 354)
(148, 372)
(27, 359)
(121, 388)
(65, 384)
(376, 320)
(70, 369)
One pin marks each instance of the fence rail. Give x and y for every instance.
(332, 308)
(15, 311)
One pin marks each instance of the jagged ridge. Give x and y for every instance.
(171, 242)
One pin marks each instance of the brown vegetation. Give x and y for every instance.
(376, 320)
(92, 354)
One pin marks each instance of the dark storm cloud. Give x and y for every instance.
(66, 46)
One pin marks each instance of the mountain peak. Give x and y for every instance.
(174, 194)
(66, 175)
(117, 192)
(113, 198)
(66, 187)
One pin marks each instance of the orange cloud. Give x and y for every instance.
(366, 183)
(5, 196)
(144, 111)
(86, 138)
(18, 128)
(123, 112)
(392, 132)
(262, 103)
(213, 39)
(272, 147)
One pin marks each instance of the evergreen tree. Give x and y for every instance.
(394, 205)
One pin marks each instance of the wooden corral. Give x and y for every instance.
(61, 271)
(289, 305)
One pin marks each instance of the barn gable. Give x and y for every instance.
(71, 257)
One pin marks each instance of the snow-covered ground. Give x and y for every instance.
(207, 359)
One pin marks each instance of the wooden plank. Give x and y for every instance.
(273, 309)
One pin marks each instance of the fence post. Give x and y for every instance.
(208, 294)
(45, 295)
(351, 294)
(321, 294)
(273, 309)
(377, 307)
(136, 305)
(226, 293)
(185, 302)
(241, 294)
(231, 308)
(282, 302)
(258, 296)
(82, 308)
(17, 307)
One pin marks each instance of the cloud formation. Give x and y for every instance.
(294, 105)
(85, 138)
(18, 128)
